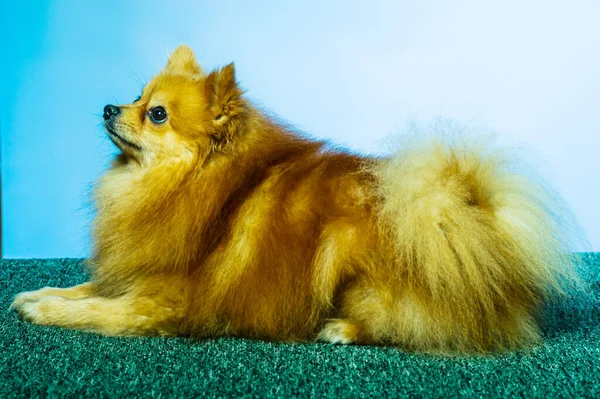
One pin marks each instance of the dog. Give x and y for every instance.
(217, 219)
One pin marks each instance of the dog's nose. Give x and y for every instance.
(110, 111)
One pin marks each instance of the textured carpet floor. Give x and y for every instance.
(45, 361)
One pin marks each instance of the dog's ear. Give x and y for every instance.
(183, 60)
(227, 106)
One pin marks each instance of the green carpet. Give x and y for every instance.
(45, 361)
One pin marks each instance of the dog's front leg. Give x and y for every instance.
(80, 291)
(126, 315)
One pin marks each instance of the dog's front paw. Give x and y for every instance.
(42, 311)
(24, 297)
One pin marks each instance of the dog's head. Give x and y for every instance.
(183, 112)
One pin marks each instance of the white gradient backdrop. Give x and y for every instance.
(353, 72)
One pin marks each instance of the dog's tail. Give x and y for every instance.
(480, 241)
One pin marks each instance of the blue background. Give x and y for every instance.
(351, 71)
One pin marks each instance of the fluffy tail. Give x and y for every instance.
(481, 243)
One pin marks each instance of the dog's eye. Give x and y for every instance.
(158, 114)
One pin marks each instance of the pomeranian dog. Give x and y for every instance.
(215, 219)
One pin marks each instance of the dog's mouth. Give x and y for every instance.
(118, 139)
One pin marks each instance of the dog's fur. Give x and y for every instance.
(222, 221)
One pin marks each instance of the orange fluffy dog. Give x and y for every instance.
(217, 220)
